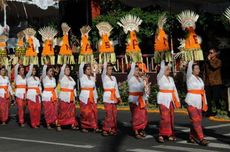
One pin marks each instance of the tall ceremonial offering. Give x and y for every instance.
(20, 49)
(161, 46)
(48, 34)
(105, 45)
(130, 24)
(66, 54)
(32, 45)
(86, 52)
(190, 47)
(3, 50)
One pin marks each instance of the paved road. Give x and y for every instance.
(16, 139)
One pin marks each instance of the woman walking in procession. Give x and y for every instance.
(67, 96)
(138, 100)
(196, 100)
(111, 98)
(49, 97)
(33, 96)
(168, 100)
(88, 98)
(5, 92)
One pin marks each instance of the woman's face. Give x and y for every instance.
(22, 71)
(109, 70)
(88, 71)
(196, 70)
(3, 72)
(34, 71)
(67, 71)
(167, 71)
(50, 72)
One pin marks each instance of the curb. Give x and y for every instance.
(218, 119)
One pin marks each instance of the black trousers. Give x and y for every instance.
(213, 94)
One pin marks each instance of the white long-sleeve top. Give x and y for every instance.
(32, 83)
(194, 83)
(66, 82)
(19, 92)
(4, 81)
(86, 82)
(165, 83)
(135, 86)
(109, 83)
(47, 83)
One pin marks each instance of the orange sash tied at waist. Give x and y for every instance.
(91, 94)
(21, 86)
(6, 91)
(202, 93)
(113, 93)
(174, 98)
(54, 95)
(35, 88)
(71, 91)
(140, 99)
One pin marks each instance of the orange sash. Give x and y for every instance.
(175, 101)
(21, 86)
(91, 94)
(113, 93)
(202, 93)
(6, 91)
(140, 99)
(71, 93)
(35, 88)
(65, 48)
(54, 95)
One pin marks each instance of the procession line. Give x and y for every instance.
(47, 142)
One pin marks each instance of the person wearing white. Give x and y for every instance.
(137, 100)
(67, 95)
(196, 100)
(88, 98)
(5, 92)
(20, 92)
(49, 97)
(111, 97)
(168, 99)
(33, 96)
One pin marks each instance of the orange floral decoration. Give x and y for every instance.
(191, 41)
(48, 48)
(30, 51)
(2, 44)
(85, 48)
(161, 41)
(65, 48)
(133, 45)
(106, 46)
(20, 43)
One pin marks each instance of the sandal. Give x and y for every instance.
(142, 133)
(49, 127)
(3, 123)
(204, 142)
(22, 125)
(105, 133)
(84, 130)
(138, 136)
(59, 128)
(75, 128)
(161, 139)
(97, 130)
(112, 133)
(172, 138)
(191, 140)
